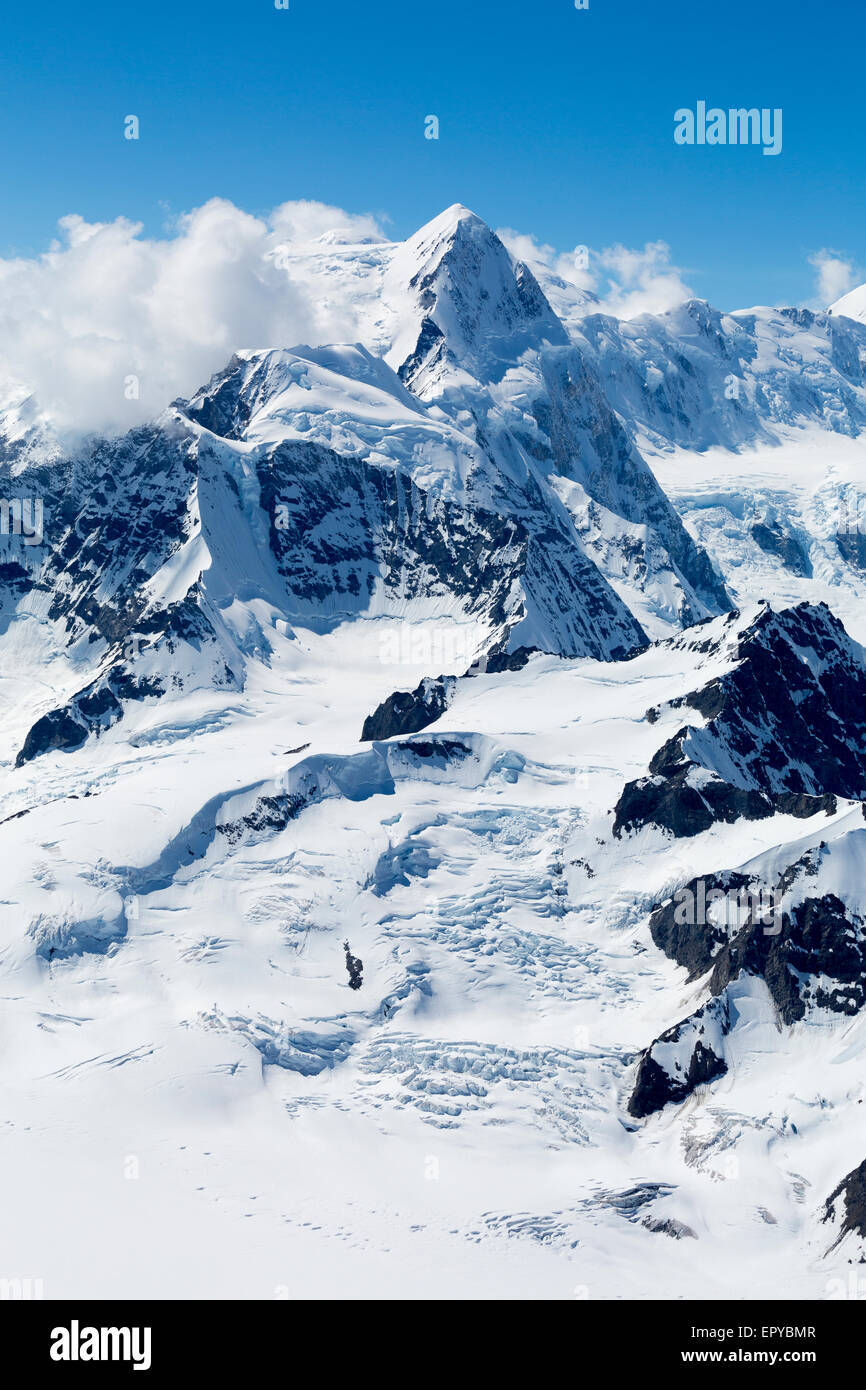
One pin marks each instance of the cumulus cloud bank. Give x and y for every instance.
(625, 282)
(108, 326)
(835, 275)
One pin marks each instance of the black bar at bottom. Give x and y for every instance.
(225, 1339)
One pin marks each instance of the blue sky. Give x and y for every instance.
(554, 121)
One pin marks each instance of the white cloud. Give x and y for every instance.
(626, 282)
(574, 267)
(640, 282)
(105, 304)
(835, 275)
(303, 222)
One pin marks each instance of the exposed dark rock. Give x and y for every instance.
(791, 715)
(407, 712)
(56, 730)
(810, 955)
(271, 813)
(787, 722)
(847, 1203)
(677, 1230)
(681, 1059)
(355, 968)
(341, 527)
(681, 927)
(671, 803)
(430, 346)
(785, 546)
(15, 577)
(494, 663)
(817, 958)
(223, 408)
(447, 748)
(91, 711)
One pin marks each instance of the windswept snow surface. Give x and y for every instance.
(546, 1086)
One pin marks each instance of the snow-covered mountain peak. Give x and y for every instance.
(852, 305)
(448, 223)
(463, 305)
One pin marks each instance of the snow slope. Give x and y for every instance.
(852, 305)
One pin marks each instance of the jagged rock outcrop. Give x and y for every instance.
(809, 950)
(781, 924)
(689, 1055)
(846, 1206)
(407, 712)
(784, 731)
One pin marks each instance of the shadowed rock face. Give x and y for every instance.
(792, 713)
(349, 528)
(340, 527)
(847, 1204)
(812, 955)
(685, 927)
(409, 711)
(818, 958)
(784, 546)
(805, 944)
(343, 534)
(785, 732)
(406, 712)
(686, 1056)
(675, 805)
(114, 516)
(100, 704)
(90, 712)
